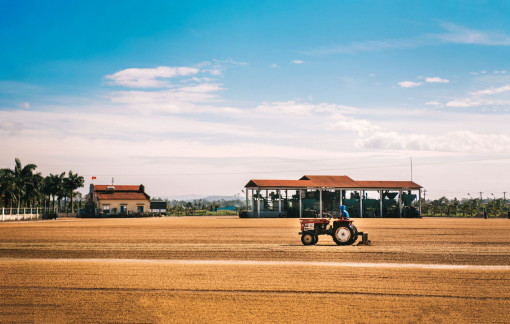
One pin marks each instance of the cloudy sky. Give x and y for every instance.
(198, 97)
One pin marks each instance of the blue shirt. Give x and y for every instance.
(345, 214)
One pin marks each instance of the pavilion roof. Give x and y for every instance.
(330, 181)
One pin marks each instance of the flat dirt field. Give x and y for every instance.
(225, 269)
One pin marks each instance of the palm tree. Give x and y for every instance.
(47, 189)
(54, 185)
(33, 190)
(7, 188)
(22, 178)
(59, 188)
(71, 183)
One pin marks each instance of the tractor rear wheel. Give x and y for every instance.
(344, 235)
(315, 239)
(308, 239)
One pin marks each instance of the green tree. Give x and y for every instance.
(23, 177)
(70, 184)
(454, 206)
(54, 187)
(7, 187)
(33, 190)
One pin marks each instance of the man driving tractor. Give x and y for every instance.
(343, 212)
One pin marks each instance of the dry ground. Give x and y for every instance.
(121, 270)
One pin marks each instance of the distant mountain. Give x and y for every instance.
(194, 197)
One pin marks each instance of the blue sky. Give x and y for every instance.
(198, 97)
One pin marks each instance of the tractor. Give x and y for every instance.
(342, 231)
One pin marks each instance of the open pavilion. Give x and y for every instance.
(320, 195)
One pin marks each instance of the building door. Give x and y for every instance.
(140, 209)
(123, 209)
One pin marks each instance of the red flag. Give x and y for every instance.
(93, 178)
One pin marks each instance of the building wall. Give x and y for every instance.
(131, 205)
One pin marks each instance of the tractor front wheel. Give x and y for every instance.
(308, 239)
(344, 235)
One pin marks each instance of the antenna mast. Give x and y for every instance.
(411, 169)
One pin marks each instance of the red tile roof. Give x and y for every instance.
(331, 181)
(389, 184)
(117, 188)
(314, 181)
(122, 196)
(278, 183)
(122, 192)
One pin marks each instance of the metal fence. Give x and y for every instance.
(16, 214)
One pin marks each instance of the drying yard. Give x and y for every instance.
(225, 269)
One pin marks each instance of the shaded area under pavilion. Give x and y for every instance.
(321, 196)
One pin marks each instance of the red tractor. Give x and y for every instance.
(342, 230)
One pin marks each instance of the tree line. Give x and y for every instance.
(22, 187)
(466, 207)
(200, 206)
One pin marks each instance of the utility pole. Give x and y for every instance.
(424, 194)
(112, 181)
(411, 169)
(481, 199)
(504, 197)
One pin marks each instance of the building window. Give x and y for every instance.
(106, 209)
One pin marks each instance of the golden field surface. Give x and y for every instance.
(225, 269)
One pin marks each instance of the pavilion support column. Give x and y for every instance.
(419, 201)
(258, 202)
(300, 204)
(320, 202)
(253, 201)
(361, 193)
(247, 207)
(380, 203)
(341, 199)
(400, 203)
(279, 201)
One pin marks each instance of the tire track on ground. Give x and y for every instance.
(247, 292)
(274, 263)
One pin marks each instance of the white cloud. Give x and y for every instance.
(9, 128)
(216, 67)
(459, 141)
(491, 91)
(25, 105)
(149, 78)
(453, 34)
(436, 80)
(473, 102)
(409, 84)
(462, 35)
(360, 126)
(478, 99)
(178, 100)
(297, 62)
(273, 66)
(292, 108)
(434, 103)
